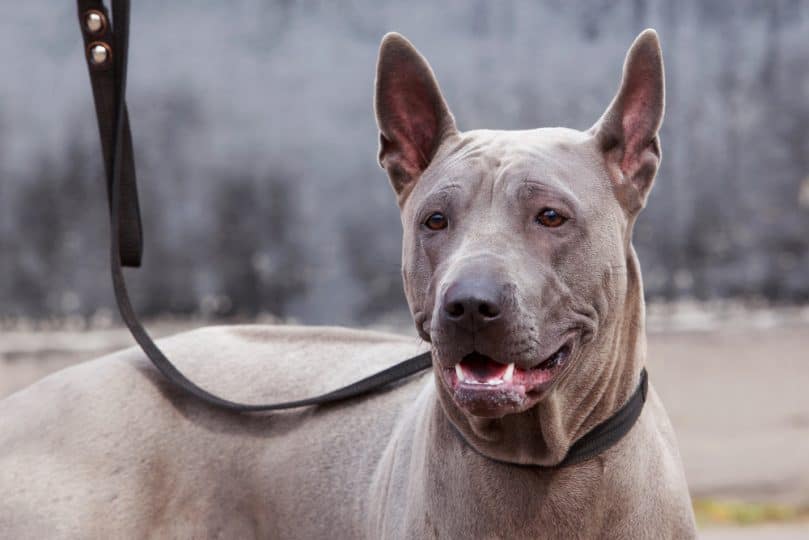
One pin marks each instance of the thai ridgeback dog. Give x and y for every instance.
(522, 280)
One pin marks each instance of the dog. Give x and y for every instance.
(522, 280)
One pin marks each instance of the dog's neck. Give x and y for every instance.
(600, 382)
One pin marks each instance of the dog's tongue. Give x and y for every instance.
(481, 367)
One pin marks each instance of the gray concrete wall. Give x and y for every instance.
(256, 145)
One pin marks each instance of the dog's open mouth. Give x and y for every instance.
(486, 387)
(476, 368)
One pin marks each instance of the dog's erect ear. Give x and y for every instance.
(411, 113)
(627, 132)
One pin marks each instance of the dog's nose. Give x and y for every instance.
(472, 304)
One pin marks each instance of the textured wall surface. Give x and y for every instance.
(256, 145)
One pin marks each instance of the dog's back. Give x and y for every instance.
(107, 449)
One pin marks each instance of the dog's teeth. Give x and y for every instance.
(459, 373)
(509, 374)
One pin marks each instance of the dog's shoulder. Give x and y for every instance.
(271, 363)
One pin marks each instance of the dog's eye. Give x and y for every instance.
(436, 221)
(548, 217)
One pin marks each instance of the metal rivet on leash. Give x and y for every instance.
(99, 53)
(95, 22)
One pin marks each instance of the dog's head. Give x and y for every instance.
(516, 243)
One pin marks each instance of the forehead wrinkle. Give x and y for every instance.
(442, 191)
(464, 172)
(548, 185)
(539, 166)
(465, 151)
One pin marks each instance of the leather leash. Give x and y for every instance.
(106, 43)
(106, 48)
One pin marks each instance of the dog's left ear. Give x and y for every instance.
(627, 132)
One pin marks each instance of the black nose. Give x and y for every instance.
(472, 304)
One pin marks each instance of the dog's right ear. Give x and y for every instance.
(411, 113)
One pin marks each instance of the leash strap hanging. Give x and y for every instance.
(106, 47)
(106, 44)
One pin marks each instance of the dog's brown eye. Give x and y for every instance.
(436, 221)
(548, 217)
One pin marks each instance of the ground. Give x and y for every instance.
(735, 383)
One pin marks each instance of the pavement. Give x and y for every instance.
(739, 402)
(763, 532)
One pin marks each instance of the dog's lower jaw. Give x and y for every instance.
(499, 437)
(596, 380)
(485, 388)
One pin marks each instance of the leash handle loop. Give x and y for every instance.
(105, 54)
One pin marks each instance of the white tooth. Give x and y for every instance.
(459, 372)
(509, 373)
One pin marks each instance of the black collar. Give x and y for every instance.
(611, 430)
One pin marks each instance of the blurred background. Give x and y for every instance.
(262, 200)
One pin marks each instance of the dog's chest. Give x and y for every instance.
(431, 485)
(483, 499)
